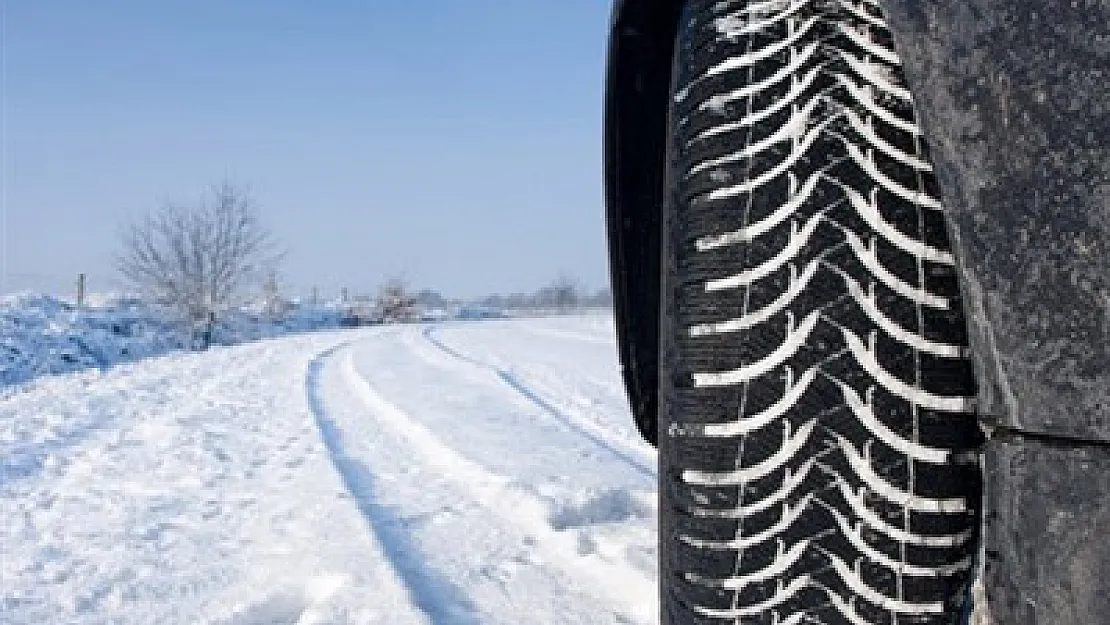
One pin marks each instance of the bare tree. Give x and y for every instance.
(395, 304)
(197, 260)
(275, 306)
(561, 295)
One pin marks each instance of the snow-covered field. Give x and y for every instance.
(465, 473)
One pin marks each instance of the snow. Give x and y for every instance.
(458, 473)
(43, 335)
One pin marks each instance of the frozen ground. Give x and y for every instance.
(450, 474)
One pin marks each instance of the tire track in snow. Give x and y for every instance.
(513, 382)
(517, 503)
(440, 600)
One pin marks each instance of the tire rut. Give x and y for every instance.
(513, 503)
(532, 396)
(440, 600)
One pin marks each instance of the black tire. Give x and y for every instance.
(818, 443)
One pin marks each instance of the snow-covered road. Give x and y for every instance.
(451, 474)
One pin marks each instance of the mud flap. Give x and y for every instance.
(1014, 102)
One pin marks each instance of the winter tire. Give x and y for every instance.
(818, 442)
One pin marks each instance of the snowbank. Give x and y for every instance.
(44, 335)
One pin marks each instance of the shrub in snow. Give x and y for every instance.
(197, 260)
(43, 335)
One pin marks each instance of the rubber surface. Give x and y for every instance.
(641, 45)
(818, 442)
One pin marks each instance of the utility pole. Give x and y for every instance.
(80, 290)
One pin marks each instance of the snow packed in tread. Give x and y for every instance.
(820, 450)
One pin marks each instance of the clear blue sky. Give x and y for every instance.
(455, 141)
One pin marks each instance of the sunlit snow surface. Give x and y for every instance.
(484, 472)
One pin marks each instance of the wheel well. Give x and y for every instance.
(641, 48)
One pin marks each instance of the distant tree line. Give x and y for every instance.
(563, 294)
